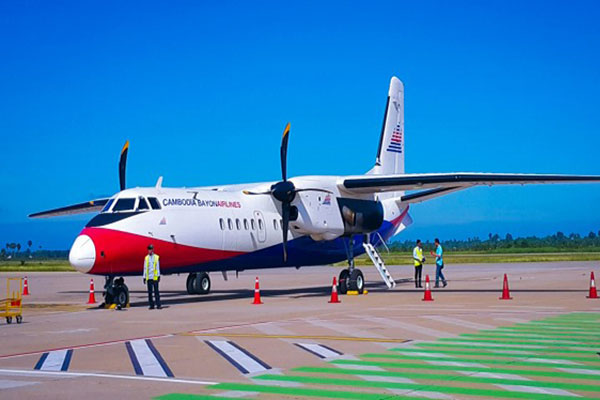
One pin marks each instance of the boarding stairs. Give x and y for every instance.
(379, 264)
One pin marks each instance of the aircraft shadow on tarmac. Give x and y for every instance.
(173, 297)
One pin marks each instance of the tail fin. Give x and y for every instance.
(390, 155)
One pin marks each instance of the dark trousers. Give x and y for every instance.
(418, 273)
(153, 287)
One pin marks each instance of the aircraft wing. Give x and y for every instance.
(444, 183)
(81, 208)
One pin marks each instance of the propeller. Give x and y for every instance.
(284, 191)
(123, 164)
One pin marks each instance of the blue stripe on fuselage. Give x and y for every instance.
(302, 251)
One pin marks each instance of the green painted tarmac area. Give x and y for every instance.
(554, 358)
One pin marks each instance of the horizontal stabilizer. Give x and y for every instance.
(81, 208)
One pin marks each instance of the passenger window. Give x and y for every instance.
(275, 224)
(245, 224)
(154, 203)
(253, 224)
(230, 224)
(222, 224)
(124, 205)
(107, 206)
(260, 224)
(238, 224)
(281, 223)
(143, 204)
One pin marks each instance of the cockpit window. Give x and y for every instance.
(143, 204)
(108, 204)
(124, 205)
(154, 203)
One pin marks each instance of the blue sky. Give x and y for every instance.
(203, 90)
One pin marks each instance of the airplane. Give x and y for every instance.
(295, 222)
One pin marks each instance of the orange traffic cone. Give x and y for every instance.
(427, 295)
(256, 293)
(25, 288)
(92, 298)
(505, 290)
(593, 293)
(334, 293)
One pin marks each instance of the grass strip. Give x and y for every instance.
(491, 340)
(412, 366)
(494, 393)
(528, 337)
(593, 356)
(482, 361)
(457, 378)
(467, 347)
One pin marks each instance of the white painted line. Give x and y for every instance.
(237, 394)
(532, 389)
(392, 379)
(494, 375)
(109, 376)
(545, 360)
(456, 364)
(359, 366)
(148, 363)
(524, 346)
(319, 350)
(516, 352)
(242, 360)
(421, 393)
(431, 355)
(580, 371)
(509, 319)
(58, 360)
(459, 322)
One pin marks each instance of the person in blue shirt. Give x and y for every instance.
(439, 264)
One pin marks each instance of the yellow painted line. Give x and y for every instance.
(261, 336)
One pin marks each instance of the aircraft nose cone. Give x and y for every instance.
(83, 254)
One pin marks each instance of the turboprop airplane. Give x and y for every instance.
(225, 228)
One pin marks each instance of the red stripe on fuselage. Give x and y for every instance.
(120, 252)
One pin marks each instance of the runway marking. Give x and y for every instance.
(83, 346)
(319, 350)
(238, 356)
(458, 322)
(99, 375)
(10, 384)
(146, 359)
(530, 389)
(298, 337)
(500, 353)
(55, 360)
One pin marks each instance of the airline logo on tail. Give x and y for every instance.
(395, 145)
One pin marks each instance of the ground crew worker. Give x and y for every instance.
(439, 264)
(152, 276)
(419, 261)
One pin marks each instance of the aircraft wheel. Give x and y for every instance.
(9, 320)
(357, 281)
(202, 283)
(343, 281)
(190, 283)
(121, 296)
(19, 319)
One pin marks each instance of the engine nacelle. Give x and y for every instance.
(324, 216)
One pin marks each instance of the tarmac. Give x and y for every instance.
(466, 344)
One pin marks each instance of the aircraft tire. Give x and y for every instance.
(343, 281)
(202, 283)
(121, 296)
(357, 281)
(191, 283)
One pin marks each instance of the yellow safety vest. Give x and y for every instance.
(146, 265)
(419, 254)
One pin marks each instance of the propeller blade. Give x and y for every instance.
(122, 165)
(255, 193)
(285, 217)
(314, 190)
(284, 146)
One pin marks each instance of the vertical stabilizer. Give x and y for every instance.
(390, 154)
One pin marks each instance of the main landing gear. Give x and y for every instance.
(351, 278)
(198, 283)
(116, 292)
